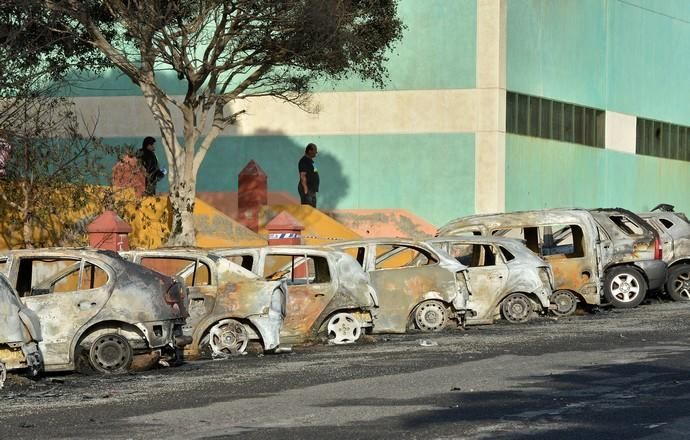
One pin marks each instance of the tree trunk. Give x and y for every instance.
(182, 199)
(27, 222)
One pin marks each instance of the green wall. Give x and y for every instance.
(631, 57)
(431, 175)
(548, 174)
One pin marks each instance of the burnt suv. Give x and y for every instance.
(674, 231)
(609, 253)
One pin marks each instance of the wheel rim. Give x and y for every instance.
(517, 308)
(681, 285)
(3, 374)
(431, 316)
(565, 303)
(625, 287)
(343, 328)
(228, 337)
(110, 353)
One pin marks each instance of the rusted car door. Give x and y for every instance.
(566, 248)
(311, 288)
(487, 278)
(65, 294)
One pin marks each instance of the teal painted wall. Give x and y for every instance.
(649, 59)
(547, 174)
(437, 52)
(631, 57)
(431, 175)
(557, 49)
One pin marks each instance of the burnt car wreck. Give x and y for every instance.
(328, 293)
(97, 310)
(20, 333)
(505, 279)
(229, 306)
(417, 285)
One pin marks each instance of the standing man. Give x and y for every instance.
(308, 177)
(150, 163)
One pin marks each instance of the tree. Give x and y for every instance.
(225, 51)
(48, 164)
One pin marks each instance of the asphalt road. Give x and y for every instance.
(615, 374)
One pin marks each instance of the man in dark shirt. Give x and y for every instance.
(150, 163)
(308, 177)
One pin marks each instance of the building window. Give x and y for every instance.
(661, 139)
(549, 119)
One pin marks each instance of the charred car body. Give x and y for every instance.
(97, 309)
(417, 285)
(674, 230)
(587, 249)
(328, 293)
(505, 279)
(229, 305)
(20, 333)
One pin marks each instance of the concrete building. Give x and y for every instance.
(492, 105)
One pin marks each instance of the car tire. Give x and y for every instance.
(624, 287)
(111, 353)
(431, 316)
(517, 308)
(678, 282)
(565, 302)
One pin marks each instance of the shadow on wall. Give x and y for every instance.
(278, 155)
(275, 152)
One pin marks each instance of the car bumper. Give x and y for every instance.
(655, 271)
(268, 327)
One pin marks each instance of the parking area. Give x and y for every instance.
(611, 374)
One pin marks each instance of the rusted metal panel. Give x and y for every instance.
(321, 283)
(220, 290)
(406, 273)
(80, 295)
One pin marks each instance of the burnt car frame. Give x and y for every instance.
(96, 309)
(20, 333)
(417, 285)
(229, 306)
(674, 230)
(505, 279)
(593, 253)
(328, 292)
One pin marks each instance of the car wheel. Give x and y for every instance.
(343, 328)
(3, 374)
(624, 287)
(516, 308)
(678, 283)
(226, 338)
(111, 353)
(431, 316)
(565, 302)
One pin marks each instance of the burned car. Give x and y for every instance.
(96, 309)
(20, 333)
(229, 305)
(674, 230)
(586, 249)
(328, 293)
(417, 285)
(505, 279)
